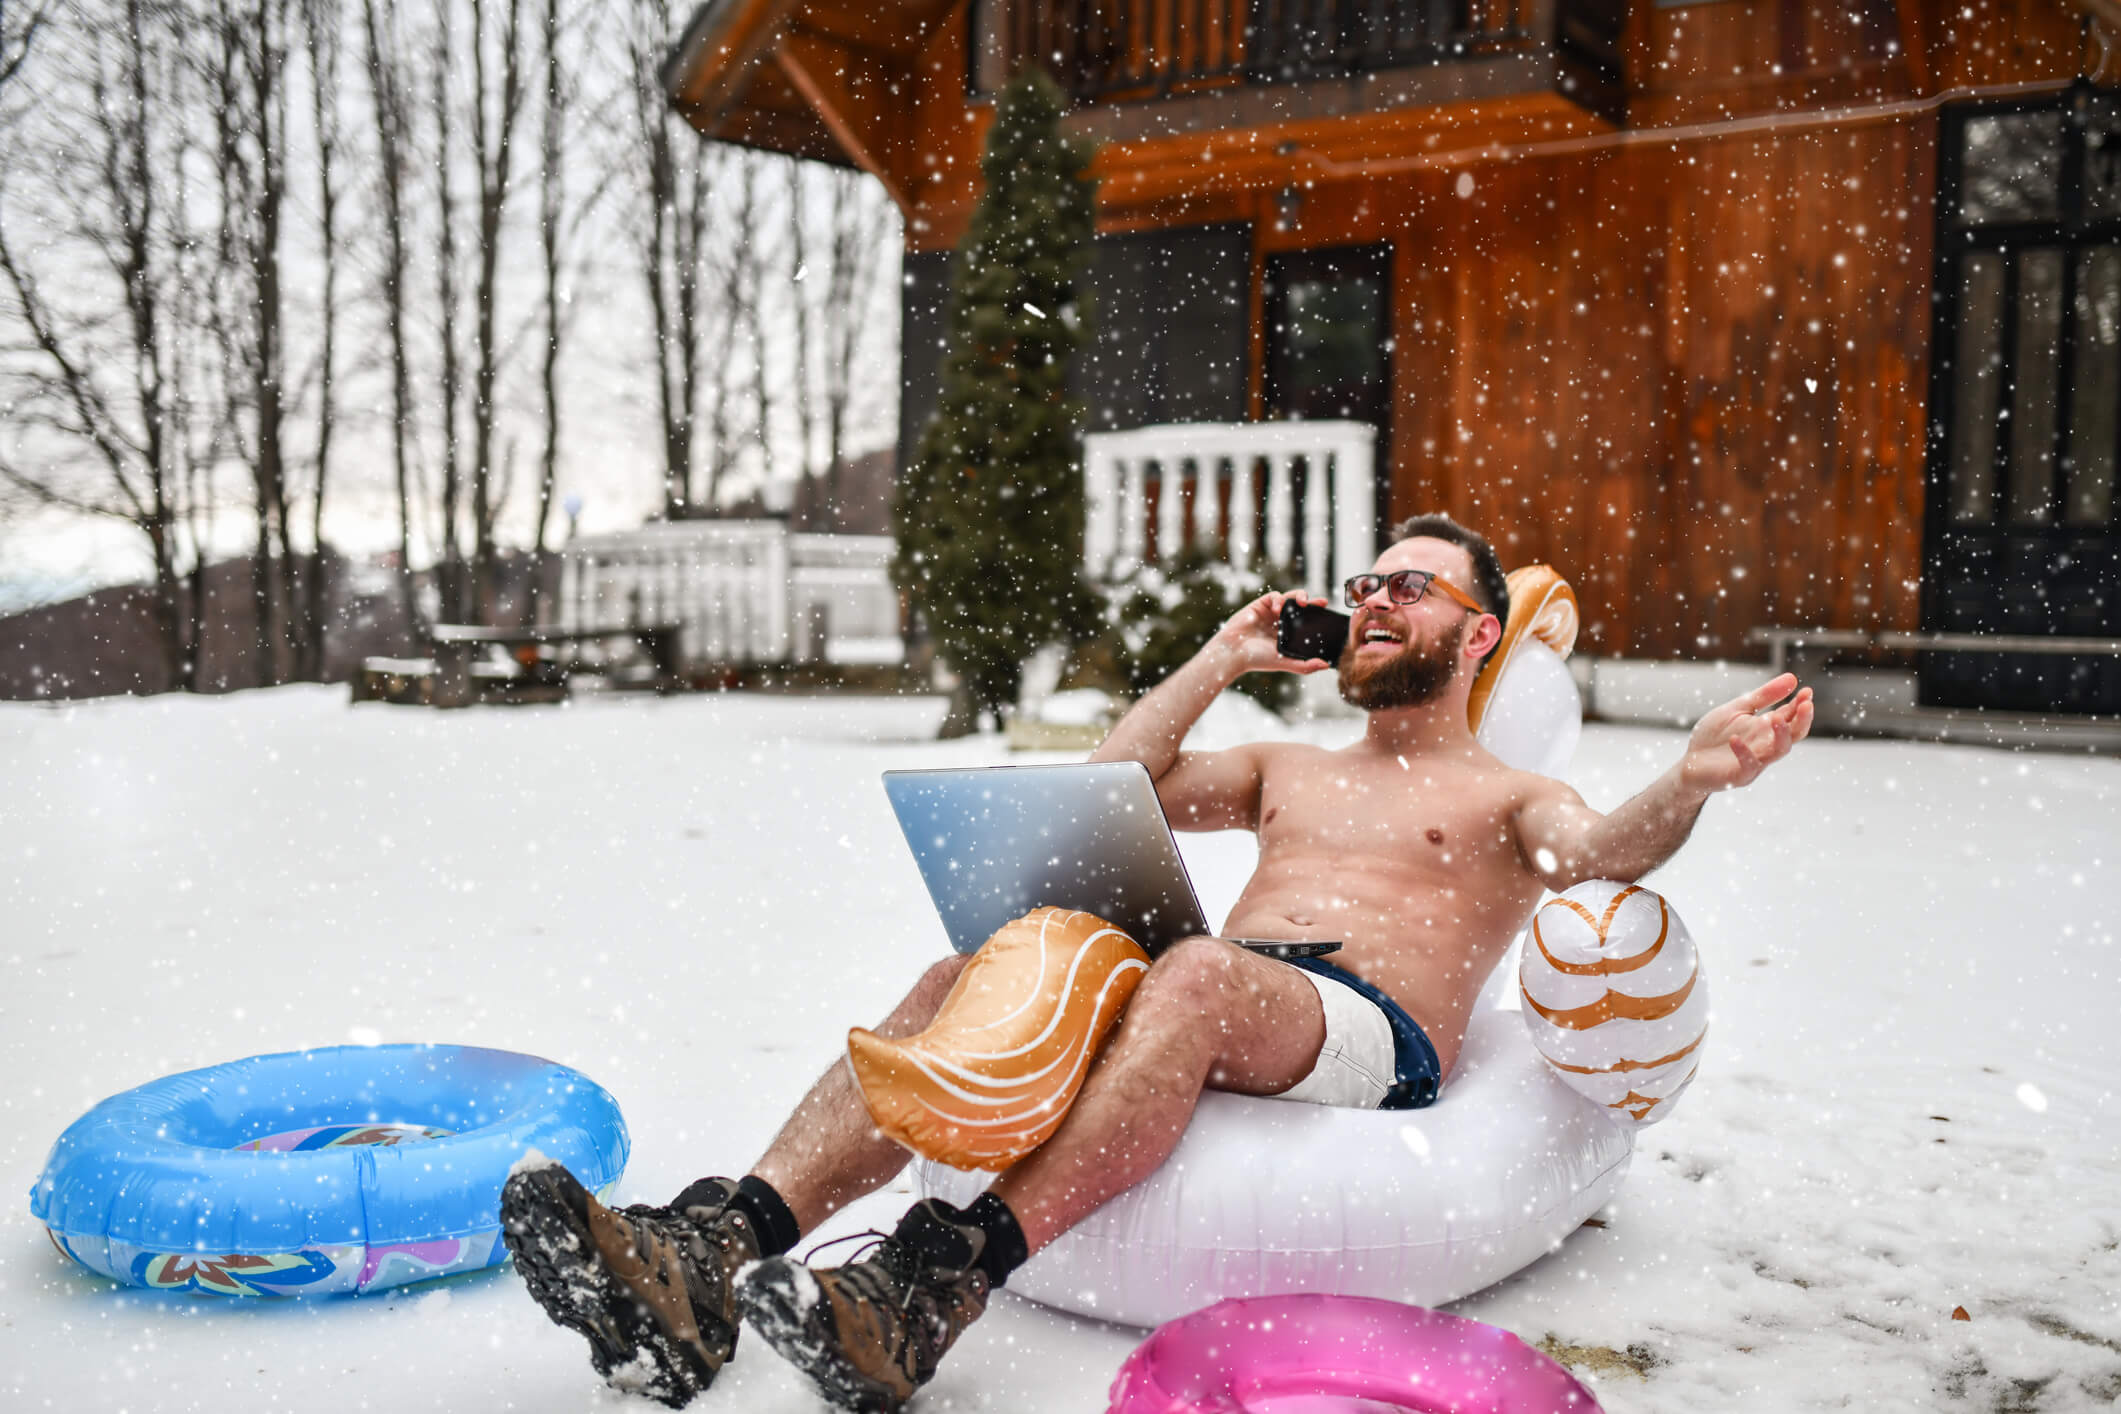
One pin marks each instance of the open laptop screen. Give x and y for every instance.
(995, 842)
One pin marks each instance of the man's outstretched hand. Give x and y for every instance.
(1734, 743)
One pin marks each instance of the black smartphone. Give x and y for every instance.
(1277, 947)
(1310, 631)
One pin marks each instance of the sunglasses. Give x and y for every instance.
(1405, 587)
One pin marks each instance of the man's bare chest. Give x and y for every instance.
(1402, 815)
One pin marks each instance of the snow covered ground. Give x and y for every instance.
(1908, 1103)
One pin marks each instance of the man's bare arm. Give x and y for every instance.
(1565, 842)
(1153, 727)
(1204, 790)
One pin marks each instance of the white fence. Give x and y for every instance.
(742, 591)
(1234, 484)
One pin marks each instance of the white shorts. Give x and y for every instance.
(1358, 1063)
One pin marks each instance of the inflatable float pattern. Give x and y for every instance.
(197, 1182)
(1614, 997)
(993, 1075)
(1339, 1355)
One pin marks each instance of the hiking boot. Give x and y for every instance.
(651, 1288)
(871, 1333)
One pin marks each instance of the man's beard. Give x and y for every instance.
(1409, 678)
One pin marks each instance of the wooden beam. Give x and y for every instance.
(852, 94)
(898, 31)
(792, 134)
(1139, 173)
(713, 61)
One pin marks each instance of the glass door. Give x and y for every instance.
(2019, 534)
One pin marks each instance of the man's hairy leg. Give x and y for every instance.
(1208, 1015)
(829, 1153)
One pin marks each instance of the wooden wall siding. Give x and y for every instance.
(1602, 351)
(2003, 41)
(1691, 64)
(1804, 321)
(1698, 63)
(1529, 375)
(1602, 364)
(941, 140)
(1701, 62)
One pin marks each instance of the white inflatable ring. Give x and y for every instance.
(1265, 1196)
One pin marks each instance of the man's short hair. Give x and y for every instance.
(1490, 585)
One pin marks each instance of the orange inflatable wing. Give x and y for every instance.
(1542, 606)
(993, 1075)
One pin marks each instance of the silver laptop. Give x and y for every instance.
(995, 842)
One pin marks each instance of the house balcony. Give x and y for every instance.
(1152, 68)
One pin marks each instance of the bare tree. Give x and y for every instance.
(676, 181)
(798, 258)
(386, 83)
(245, 65)
(455, 600)
(558, 100)
(726, 281)
(748, 290)
(493, 123)
(95, 410)
(859, 223)
(198, 379)
(552, 199)
(323, 22)
(20, 25)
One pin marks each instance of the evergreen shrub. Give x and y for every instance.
(989, 515)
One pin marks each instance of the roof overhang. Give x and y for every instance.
(818, 79)
(712, 64)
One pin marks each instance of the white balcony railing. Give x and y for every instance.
(1233, 485)
(742, 591)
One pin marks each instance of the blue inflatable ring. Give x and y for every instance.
(346, 1169)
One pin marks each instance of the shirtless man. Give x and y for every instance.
(1420, 851)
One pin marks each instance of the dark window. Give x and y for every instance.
(1329, 346)
(2011, 168)
(1169, 320)
(1331, 339)
(924, 297)
(2025, 417)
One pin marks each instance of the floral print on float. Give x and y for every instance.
(321, 1271)
(342, 1136)
(234, 1273)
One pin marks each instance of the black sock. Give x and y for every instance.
(1005, 1249)
(769, 1214)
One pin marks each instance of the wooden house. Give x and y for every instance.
(1741, 312)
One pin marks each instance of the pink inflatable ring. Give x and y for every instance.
(1338, 1355)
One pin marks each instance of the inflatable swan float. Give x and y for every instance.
(1531, 1135)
